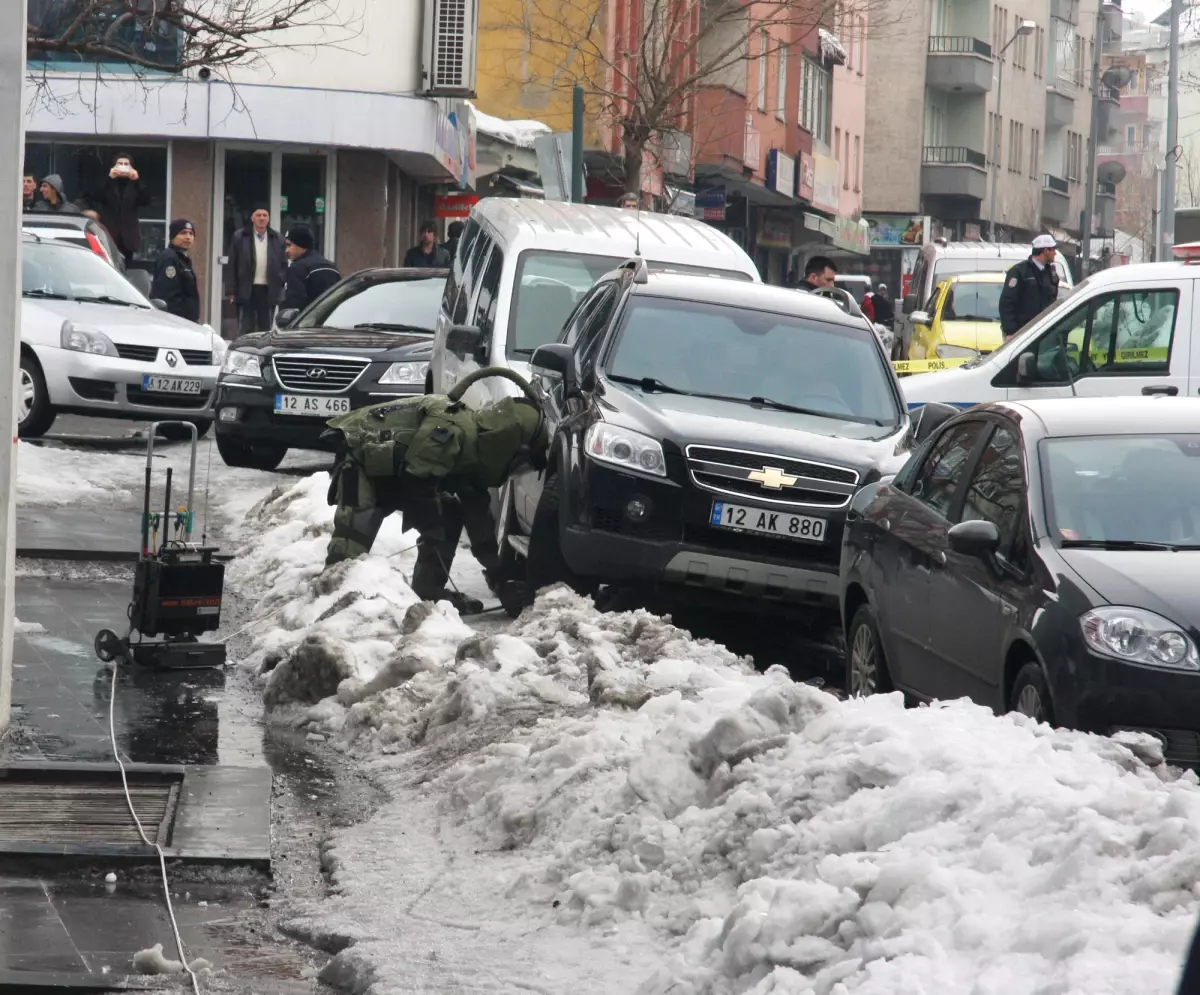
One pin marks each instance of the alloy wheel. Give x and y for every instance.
(28, 395)
(864, 663)
(1029, 702)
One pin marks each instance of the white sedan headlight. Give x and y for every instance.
(79, 338)
(242, 364)
(955, 352)
(219, 346)
(405, 373)
(1135, 635)
(626, 449)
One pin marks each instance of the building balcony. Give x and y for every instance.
(1060, 105)
(1126, 153)
(1106, 110)
(725, 135)
(1065, 10)
(959, 64)
(1105, 210)
(953, 171)
(1056, 199)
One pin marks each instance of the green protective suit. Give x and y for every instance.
(432, 459)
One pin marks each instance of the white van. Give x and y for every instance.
(940, 259)
(1126, 330)
(523, 265)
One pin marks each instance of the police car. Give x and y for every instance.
(1124, 331)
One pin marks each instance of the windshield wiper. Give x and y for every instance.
(1121, 544)
(108, 299)
(384, 326)
(653, 384)
(45, 294)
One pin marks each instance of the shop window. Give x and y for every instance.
(152, 41)
(84, 170)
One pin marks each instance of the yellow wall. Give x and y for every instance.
(528, 73)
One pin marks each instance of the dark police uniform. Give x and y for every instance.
(1028, 290)
(175, 283)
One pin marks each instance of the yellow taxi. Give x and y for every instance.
(961, 319)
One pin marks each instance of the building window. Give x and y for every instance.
(1131, 135)
(84, 170)
(1039, 54)
(763, 41)
(815, 95)
(1020, 47)
(1035, 151)
(781, 83)
(837, 144)
(846, 164)
(857, 166)
(159, 43)
(862, 52)
(1074, 155)
(995, 136)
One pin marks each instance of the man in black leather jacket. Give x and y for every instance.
(1029, 287)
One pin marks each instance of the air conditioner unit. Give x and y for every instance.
(449, 47)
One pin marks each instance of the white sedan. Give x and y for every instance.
(91, 344)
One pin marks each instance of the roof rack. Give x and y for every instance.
(637, 266)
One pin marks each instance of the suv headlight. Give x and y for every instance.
(79, 338)
(1135, 635)
(626, 449)
(405, 373)
(955, 352)
(242, 364)
(219, 346)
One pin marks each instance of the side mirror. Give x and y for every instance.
(910, 303)
(928, 418)
(1026, 369)
(158, 303)
(922, 318)
(978, 539)
(287, 317)
(557, 359)
(462, 339)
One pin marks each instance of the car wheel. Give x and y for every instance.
(866, 666)
(250, 457)
(180, 433)
(1031, 694)
(546, 564)
(35, 414)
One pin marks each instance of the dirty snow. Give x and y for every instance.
(518, 133)
(51, 477)
(601, 803)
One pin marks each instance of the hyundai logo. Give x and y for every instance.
(316, 373)
(172, 359)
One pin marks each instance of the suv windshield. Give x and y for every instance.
(836, 371)
(1123, 488)
(67, 273)
(398, 305)
(550, 284)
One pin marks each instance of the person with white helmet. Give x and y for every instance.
(1029, 287)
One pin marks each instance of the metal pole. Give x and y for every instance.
(996, 146)
(577, 108)
(1172, 161)
(1089, 193)
(12, 124)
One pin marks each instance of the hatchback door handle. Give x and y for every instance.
(1168, 390)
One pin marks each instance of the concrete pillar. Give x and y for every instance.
(191, 198)
(362, 190)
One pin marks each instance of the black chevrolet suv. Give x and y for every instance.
(366, 339)
(708, 436)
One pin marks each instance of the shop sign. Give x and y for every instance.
(852, 236)
(822, 226)
(897, 232)
(806, 180)
(825, 184)
(710, 204)
(781, 173)
(775, 231)
(454, 205)
(454, 142)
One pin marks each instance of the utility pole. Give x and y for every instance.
(1027, 28)
(1172, 159)
(577, 109)
(1089, 192)
(12, 124)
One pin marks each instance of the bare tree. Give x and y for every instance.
(1187, 182)
(174, 35)
(642, 64)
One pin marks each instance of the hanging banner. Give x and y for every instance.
(897, 232)
(852, 237)
(825, 184)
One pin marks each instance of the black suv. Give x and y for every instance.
(708, 437)
(366, 339)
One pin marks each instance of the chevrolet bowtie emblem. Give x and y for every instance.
(772, 477)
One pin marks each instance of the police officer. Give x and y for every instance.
(433, 460)
(174, 278)
(1029, 287)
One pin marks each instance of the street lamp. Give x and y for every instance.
(1024, 31)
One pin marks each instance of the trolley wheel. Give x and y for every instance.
(108, 645)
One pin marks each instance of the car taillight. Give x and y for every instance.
(98, 247)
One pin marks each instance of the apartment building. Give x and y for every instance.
(1005, 116)
(355, 139)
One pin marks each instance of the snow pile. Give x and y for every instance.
(518, 133)
(53, 477)
(605, 781)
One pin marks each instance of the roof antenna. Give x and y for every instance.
(637, 233)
